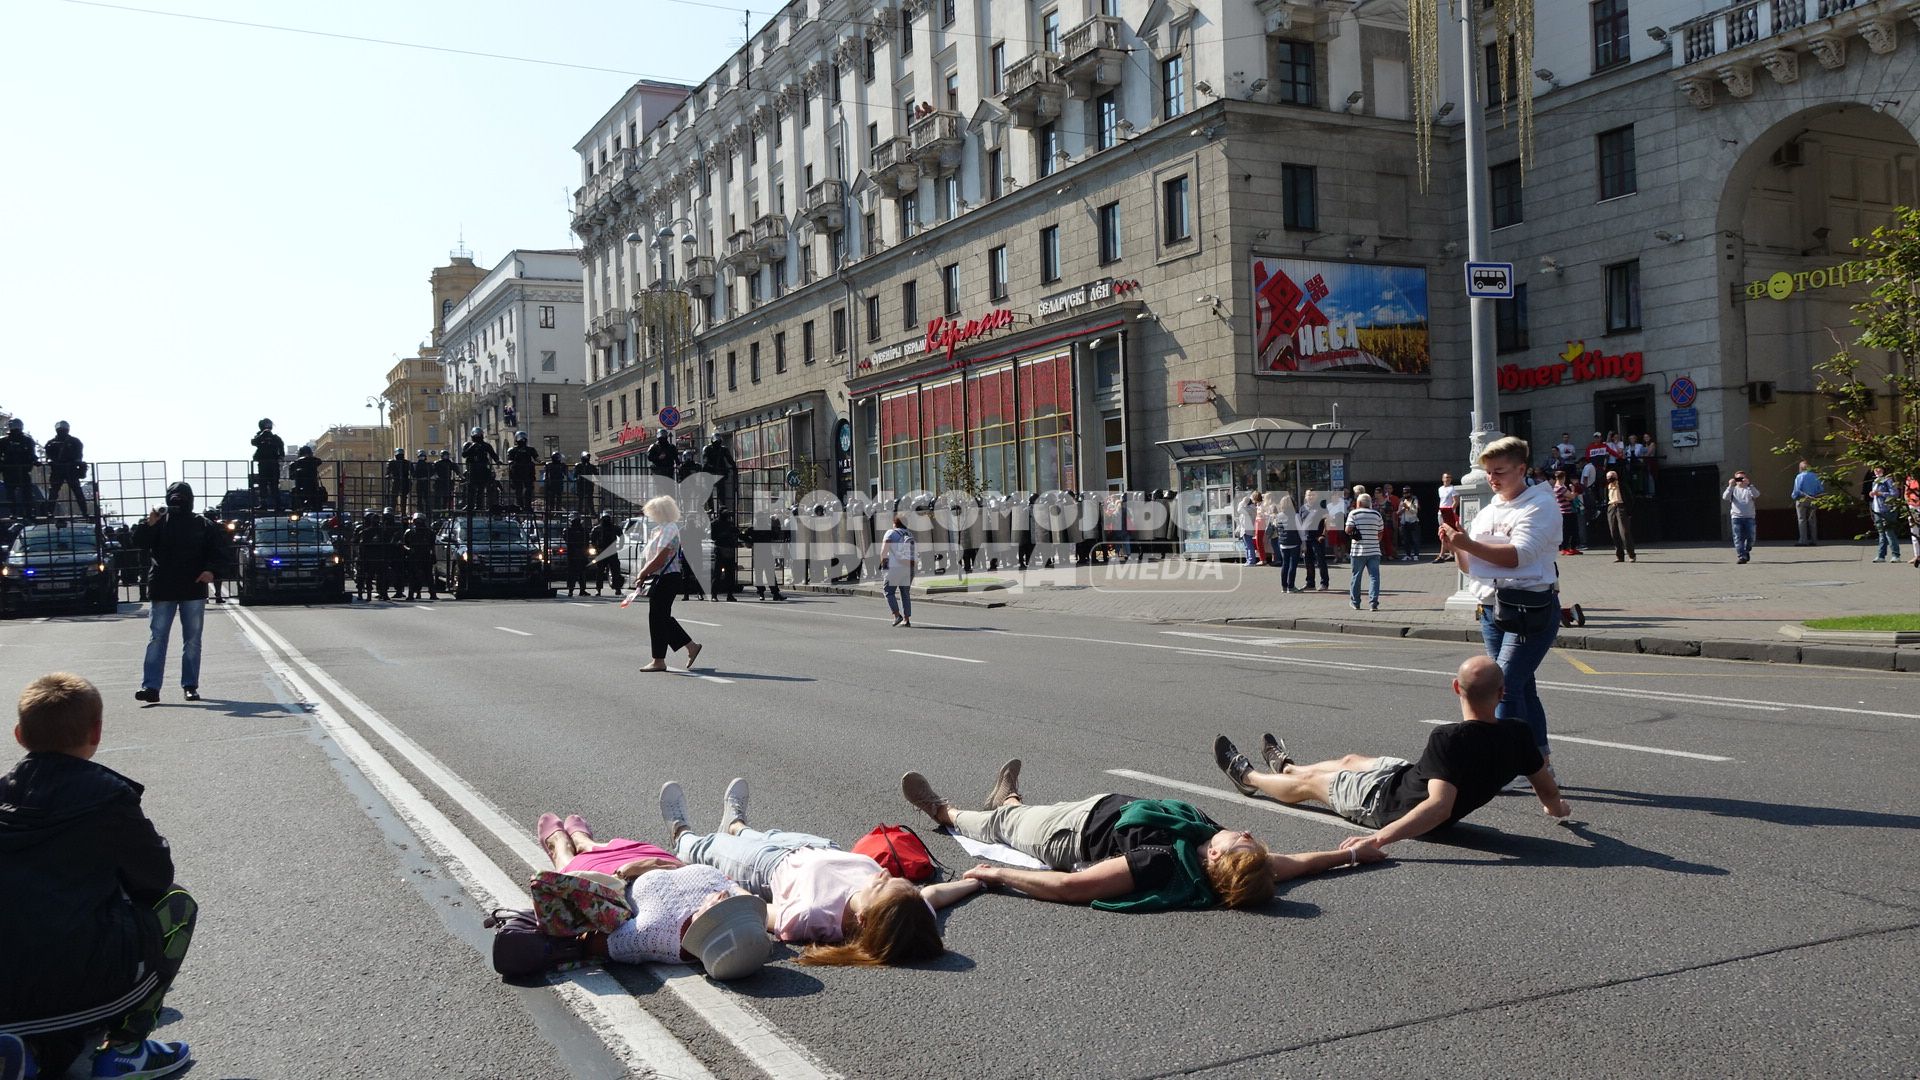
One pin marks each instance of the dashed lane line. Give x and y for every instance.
(696, 622)
(511, 630)
(1618, 745)
(634, 1035)
(937, 656)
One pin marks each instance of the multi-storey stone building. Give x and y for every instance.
(416, 387)
(511, 351)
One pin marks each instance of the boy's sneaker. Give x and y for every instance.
(1275, 752)
(733, 805)
(1234, 764)
(16, 1061)
(673, 808)
(151, 697)
(147, 1061)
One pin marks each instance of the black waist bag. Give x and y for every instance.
(521, 950)
(1526, 612)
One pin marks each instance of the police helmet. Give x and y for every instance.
(388, 512)
(399, 452)
(369, 516)
(556, 456)
(419, 519)
(474, 434)
(419, 453)
(606, 515)
(519, 436)
(60, 427)
(266, 425)
(446, 453)
(306, 451)
(584, 454)
(15, 424)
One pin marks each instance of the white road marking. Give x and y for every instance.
(1238, 640)
(633, 1034)
(696, 622)
(808, 608)
(705, 678)
(936, 656)
(576, 603)
(511, 630)
(1236, 797)
(1554, 737)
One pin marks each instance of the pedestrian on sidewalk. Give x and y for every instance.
(1565, 498)
(1884, 499)
(1449, 512)
(664, 559)
(1507, 552)
(96, 928)
(1913, 516)
(1364, 525)
(1409, 525)
(1246, 518)
(1285, 532)
(1313, 539)
(1337, 509)
(1740, 498)
(1806, 488)
(187, 552)
(1389, 510)
(1620, 517)
(897, 560)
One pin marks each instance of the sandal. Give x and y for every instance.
(577, 824)
(549, 824)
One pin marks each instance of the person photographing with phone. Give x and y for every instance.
(187, 553)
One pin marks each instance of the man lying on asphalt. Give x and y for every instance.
(1136, 854)
(1465, 765)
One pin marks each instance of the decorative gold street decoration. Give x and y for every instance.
(1513, 49)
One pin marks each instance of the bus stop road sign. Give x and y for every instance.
(1490, 281)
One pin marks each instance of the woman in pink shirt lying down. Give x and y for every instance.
(844, 906)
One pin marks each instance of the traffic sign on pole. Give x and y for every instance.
(669, 417)
(1490, 281)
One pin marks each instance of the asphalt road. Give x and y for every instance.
(1739, 896)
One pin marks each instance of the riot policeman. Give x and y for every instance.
(399, 478)
(304, 471)
(17, 458)
(423, 482)
(392, 559)
(480, 457)
(662, 456)
(553, 481)
(717, 459)
(584, 471)
(366, 567)
(66, 464)
(268, 451)
(725, 532)
(522, 462)
(417, 543)
(444, 471)
(606, 540)
(577, 538)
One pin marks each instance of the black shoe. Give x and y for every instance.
(151, 697)
(1579, 615)
(732, 598)
(1234, 764)
(777, 595)
(1275, 752)
(192, 692)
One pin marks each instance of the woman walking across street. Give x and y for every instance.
(897, 558)
(663, 557)
(1507, 553)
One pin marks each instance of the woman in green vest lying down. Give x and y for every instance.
(1138, 854)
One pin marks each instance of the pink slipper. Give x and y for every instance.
(577, 824)
(549, 824)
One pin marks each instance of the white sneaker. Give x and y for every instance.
(733, 805)
(673, 807)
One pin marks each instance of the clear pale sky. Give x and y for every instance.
(205, 224)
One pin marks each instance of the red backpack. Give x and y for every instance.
(899, 851)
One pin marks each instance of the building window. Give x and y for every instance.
(1623, 296)
(433, 401)
(909, 215)
(1300, 196)
(948, 12)
(1177, 221)
(950, 289)
(433, 433)
(996, 175)
(780, 352)
(623, 410)
(1503, 185)
(546, 317)
(1494, 84)
(549, 360)
(806, 113)
(1173, 86)
(733, 371)
(997, 68)
(1293, 72)
(1616, 163)
(753, 361)
(1106, 121)
(997, 273)
(1518, 424)
(777, 273)
(946, 195)
(1050, 254)
(653, 397)
(1046, 143)
(1050, 31)
(837, 327)
(906, 32)
(596, 418)
(1109, 220)
(909, 306)
(549, 404)
(873, 318)
(706, 369)
(953, 91)
(1510, 321)
(867, 66)
(870, 231)
(1610, 36)
(806, 342)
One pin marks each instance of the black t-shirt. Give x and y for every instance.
(1478, 759)
(1149, 851)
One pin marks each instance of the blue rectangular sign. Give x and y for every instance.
(1490, 281)
(1686, 419)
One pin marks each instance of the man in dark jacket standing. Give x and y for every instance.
(605, 544)
(523, 461)
(18, 455)
(661, 456)
(268, 451)
(583, 473)
(399, 479)
(66, 465)
(304, 471)
(553, 481)
(417, 542)
(95, 929)
(726, 555)
(423, 483)
(188, 552)
(480, 457)
(577, 539)
(444, 471)
(366, 547)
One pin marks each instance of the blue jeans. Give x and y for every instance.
(1519, 657)
(1249, 550)
(193, 615)
(1743, 537)
(748, 858)
(1316, 557)
(902, 607)
(1371, 564)
(1885, 525)
(1289, 565)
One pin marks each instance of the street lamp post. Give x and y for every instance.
(380, 439)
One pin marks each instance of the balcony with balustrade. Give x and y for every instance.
(1719, 50)
(1092, 57)
(740, 252)
(770, 237)
(699, 280)
(936, 138)
(825, 205)
(893, 168)
(1035, 93)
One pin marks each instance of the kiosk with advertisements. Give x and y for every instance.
(1258, 454)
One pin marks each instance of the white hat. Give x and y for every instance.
(730, 938)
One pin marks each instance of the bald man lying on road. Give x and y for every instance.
(1465, 765)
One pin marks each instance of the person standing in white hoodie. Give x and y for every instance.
(1740, 498)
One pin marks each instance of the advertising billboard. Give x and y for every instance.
(1339, 318)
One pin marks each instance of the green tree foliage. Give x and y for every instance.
(956, 471)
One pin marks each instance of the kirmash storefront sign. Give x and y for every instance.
(1782, 284)
(1577, 364)
(942, 334)
(1315, 317)
(1093, 292)
(629, 433)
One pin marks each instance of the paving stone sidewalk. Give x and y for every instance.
(1683, 600)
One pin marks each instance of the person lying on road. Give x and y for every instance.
(1139, 854)
(1465, 765)
(853, 911)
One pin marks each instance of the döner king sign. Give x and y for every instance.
(1576, 364)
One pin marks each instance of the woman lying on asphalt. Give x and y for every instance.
(680, 913)
(852, 910)
(1138, 854)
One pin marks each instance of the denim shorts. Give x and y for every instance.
(1356, 794)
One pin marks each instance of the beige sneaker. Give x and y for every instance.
(924, 799)
(1005, 786)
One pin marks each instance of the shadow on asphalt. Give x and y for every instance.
(1601, 850)
(1773, 813)
(246, 708)
(754, 676)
